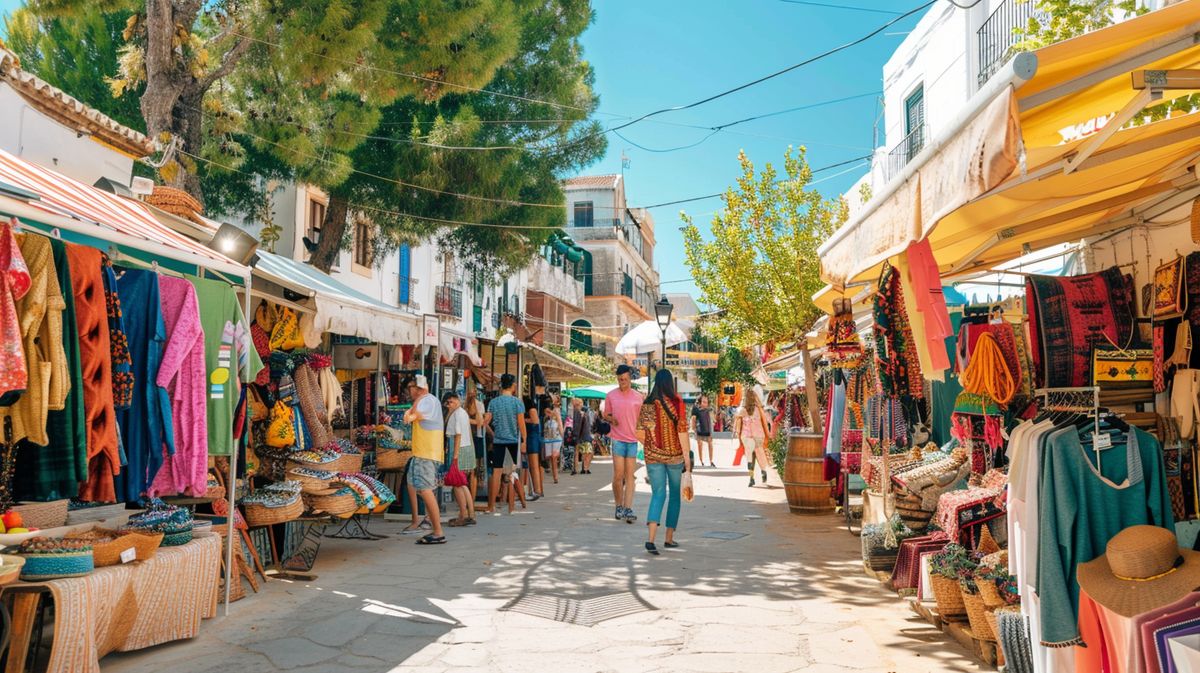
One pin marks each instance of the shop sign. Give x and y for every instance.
(431, 332)
(689, 360)
(1085, 128)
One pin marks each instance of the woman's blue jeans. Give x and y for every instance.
(662, 476)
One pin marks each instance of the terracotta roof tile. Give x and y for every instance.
(592, 181)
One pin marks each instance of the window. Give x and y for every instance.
(405, 274)
(362, 242)
(583, 213)
(583, 272)
(914, 120)
(316, 216)
(581, 336)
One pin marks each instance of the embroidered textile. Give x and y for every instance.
(14, 284)
(1169, 295)
(122, 361)
(1068, 316)
(899, 369)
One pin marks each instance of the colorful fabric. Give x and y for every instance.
(14, 284)
(182, 373)
(958, 510)
(95, 353)
(167, 596)
(118, 342)
(1069, 316)
(662, 427)
(1160, 377)
(930, 303)
(54, 471)
(898, 365)
(1169, 295)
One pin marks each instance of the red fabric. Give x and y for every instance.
(15, 282)
(930, 302)
(95, 356)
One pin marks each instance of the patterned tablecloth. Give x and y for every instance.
(129, 607)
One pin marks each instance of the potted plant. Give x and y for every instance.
(948, 568)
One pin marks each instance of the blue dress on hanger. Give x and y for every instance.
(146, 426)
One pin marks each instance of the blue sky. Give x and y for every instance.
(660, 53)
(651, 55)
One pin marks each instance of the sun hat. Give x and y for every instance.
(1143, 567)
(421, 382)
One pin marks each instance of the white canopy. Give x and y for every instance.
(647, 338)
(340, 309)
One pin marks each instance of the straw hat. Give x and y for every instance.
(1142, 568)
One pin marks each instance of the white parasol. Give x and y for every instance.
(647, 338)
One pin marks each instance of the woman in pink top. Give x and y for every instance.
(621, 409)
(753, 428)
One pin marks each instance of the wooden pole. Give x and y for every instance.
(810, 388)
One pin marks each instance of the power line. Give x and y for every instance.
(722, 127)
(667, 149)
(760, 80)
(719, 194)
(833, 6)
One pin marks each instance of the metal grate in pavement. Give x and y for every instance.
(582, 612)
(724, 535)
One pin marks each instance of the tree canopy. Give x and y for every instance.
(759, 267)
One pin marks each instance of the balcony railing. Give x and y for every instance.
(411, 302)
(905, 151)
(447, 301)
(998, 36)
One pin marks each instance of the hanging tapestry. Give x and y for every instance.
(895, 352)
(1169, 296)
(1069, 316)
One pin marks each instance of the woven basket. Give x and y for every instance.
(312, 484)
(392, 459)
(993, 623)
(10, 568)
(214, 492)
(909, 509)
(948, 595)
(331, 503)
(177, 538)
(175, 201)
(990, 593)
(976, 615)
(347, 462)
(261, 515)
(54, 566)
(43, 514)
(144, 543)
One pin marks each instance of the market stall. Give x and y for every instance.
(1033, 457)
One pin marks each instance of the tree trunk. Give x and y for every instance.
(333, 228)
(164, 75)
(188, 126)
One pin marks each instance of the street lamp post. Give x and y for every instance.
(662, 313)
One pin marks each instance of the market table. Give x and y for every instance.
(120, 608)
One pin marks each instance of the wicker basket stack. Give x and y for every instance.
(43, 514)
(392, 460)
(332, 502)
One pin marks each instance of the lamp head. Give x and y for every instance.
(662, 313)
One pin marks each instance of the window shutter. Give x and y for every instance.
(405, 274)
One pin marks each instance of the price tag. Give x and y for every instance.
(129, 555)
(1101, 440)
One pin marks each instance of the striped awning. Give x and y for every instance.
(60, 195)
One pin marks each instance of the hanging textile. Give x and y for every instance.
(227, 347)
(54, 471)
(146, 423)
(122, 362)
(182, 373)
(1069, 316)
(95, 354)
(899, 370)
(40, 316)
(930, 302)
(14, 283)
(843, 348)
(312, 408)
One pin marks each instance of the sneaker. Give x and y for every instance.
(751, 480)
(619, 513)
(630, 517)
(534, 498)
(764, 475)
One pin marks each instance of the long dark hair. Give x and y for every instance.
(664, 393)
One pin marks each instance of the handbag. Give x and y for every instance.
(1116, 367)
(686, 487)
(281, 432)
(1170, 296)
(455, 476)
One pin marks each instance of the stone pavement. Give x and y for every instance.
(788, 595)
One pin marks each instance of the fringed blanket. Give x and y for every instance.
(1069, 316)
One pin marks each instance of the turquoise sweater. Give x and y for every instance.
(1080, 512)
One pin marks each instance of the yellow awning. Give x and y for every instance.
(1122, 177)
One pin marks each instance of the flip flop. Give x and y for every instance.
(432, 539)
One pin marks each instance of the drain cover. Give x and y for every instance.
(582, 612)
(723, 535)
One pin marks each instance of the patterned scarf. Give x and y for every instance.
(122, 362)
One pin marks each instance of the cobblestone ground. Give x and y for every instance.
(788, 594)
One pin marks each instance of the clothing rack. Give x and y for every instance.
(1082, 400)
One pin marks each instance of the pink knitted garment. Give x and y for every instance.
(182, 373)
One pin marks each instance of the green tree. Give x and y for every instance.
(1057, 20)
(732, 364)
(759, 268)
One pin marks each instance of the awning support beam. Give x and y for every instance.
(1139, 101)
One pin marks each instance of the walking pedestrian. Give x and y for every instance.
(552, 439)
(752, 428)
(479, 431)
(508, 428)
(460, 438)
(531, 469)
(621, 409)
(702, 425)
(663, 427)
(581, 420)
(428, 447)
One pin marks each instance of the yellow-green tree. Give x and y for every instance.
(759, 267)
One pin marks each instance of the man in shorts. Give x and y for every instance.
(429, 450)
(508, 430)
(581, 423)
(621, 409)
(702, 425)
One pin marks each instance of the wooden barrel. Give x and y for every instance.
(807, 492)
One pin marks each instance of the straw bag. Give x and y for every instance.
(976, 615)
(948, 596)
